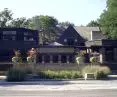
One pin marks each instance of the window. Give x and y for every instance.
(27, 34)
(64, 59)
(9, 38)
(28, 38)
(75, 40)
(70, 42)
(55, 58)
(65, 40)
(47, 58)
(9, 32)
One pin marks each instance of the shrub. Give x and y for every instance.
(103, 72)
(101, 75)
(99, 71)
(15, 74)
(59, 74)
(17, 59)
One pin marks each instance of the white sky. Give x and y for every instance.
(79, 12)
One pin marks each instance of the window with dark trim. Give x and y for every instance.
(5, 37)
(9, 32)
(27, 38)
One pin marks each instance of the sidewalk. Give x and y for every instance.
(111, 78)
(57, 85)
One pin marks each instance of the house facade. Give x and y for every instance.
(65, 49)
(75, 39)
(16, 38)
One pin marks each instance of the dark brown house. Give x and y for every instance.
(71, 37)
(17, 38)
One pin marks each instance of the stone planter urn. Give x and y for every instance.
(17, 59)
(31, 59)
(80, 62)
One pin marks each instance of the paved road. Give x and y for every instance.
(76, 93)
(96, 88)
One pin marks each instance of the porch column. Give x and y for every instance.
(51, 59)
(59, 58)
(102, 55)
(88, 54)
(88, 51)
(68, 59)
(43, 61)
(115, 54)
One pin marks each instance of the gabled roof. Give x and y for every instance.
(85, 32)
(70, 32)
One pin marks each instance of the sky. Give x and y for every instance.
(79, 12)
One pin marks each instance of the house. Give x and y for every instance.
(17, 38)
(65, 48)
(96, 42)
(71, 37)
(75, 39)
(90, 33)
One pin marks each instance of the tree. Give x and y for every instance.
(108, 20)
(21, 22)
(93, 24)
(5, 17)
(65, 24)
(47, 27)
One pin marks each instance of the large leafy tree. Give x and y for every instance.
(108, 19)
(93, 24)
(47, 27)
(5, 17)
(21, 22)
(65, 24)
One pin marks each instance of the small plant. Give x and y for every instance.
(17, 58)
(31, 56)
(16, 74)
(78, 60)
(93, 60)
(31, 59)
(82, 53)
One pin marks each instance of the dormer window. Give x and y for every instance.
(65, 40)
